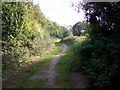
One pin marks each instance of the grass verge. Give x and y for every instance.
(22, 79)
(63, 78)
(64, 65)
(39, 83)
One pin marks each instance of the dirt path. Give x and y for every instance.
(49, 71)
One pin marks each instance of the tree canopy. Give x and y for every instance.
(99, 53)
(106, 15)
(77, 28)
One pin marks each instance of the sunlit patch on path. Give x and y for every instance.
(49, 71)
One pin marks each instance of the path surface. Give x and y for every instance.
(50, 71)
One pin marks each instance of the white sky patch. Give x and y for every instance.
(60, 11)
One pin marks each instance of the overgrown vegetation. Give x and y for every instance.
(68, 40)
(28, 82)
(99, 54)
(25, 32)
(68, 63)
(72, 40)
(79, 28)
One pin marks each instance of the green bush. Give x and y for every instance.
(68, 40)
(100, 60)
(23, 34)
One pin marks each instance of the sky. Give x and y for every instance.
(60, 11)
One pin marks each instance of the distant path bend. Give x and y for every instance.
(50, 71)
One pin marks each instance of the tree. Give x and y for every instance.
(106, 15)
(100, 53)
(77, 28)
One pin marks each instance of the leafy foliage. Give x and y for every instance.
(106, 15)
(99, 53)
(99, 65)
(25, 32)
(58, 31)
(79, 28)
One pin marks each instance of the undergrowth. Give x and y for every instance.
(100, 60)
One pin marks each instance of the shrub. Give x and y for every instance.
(68, 40)
(23, 34)
(100, 60)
